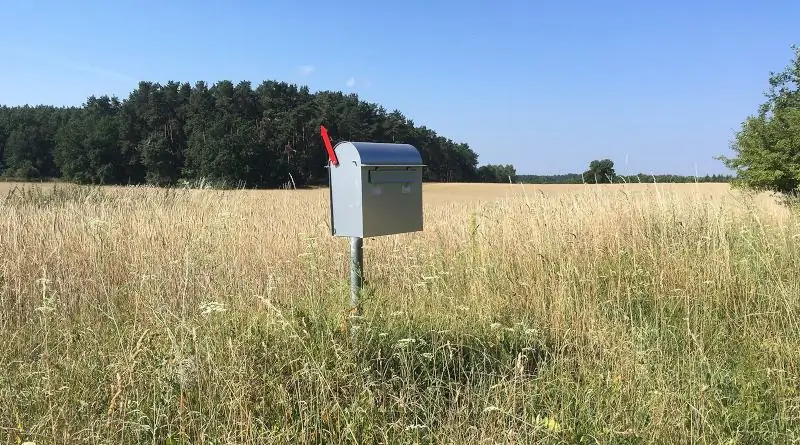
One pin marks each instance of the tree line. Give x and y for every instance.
(233, 135)
(578, 178)
(236, 135)
(601, 171)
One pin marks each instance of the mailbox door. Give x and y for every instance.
(345, 199)
(392, 200)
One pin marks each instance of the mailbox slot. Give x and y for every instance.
(392, 176)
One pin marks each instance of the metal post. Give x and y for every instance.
(356, 274)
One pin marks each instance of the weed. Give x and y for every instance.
(630, 313)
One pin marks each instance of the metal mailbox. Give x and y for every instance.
(376, 189)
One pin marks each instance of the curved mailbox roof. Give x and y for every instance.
(378, 154)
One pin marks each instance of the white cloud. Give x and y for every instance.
(350, 82)
(305, 70)
(70, 64)
(100, 70)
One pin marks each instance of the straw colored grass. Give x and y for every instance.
(539, 314)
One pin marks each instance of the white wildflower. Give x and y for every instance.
(211, 307)
(404, 342)
(97, 224)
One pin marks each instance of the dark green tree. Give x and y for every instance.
(768, 145)
(27, 136)
(497, 173)
(600, 172)
(229, 133)
(4, 130)
(88, 149)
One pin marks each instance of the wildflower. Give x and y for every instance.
(549, 423)
(97, 224)
(211, 307)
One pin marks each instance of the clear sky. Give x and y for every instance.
(658, 87)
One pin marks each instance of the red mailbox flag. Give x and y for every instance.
(331, 154)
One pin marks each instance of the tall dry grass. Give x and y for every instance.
(623, 314)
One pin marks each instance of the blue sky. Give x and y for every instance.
(658, 87)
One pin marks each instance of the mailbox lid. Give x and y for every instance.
(376, 154)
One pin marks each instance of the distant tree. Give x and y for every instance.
(87, 148)
(768, 145)
(4, 130)
(569, 178)
(27, 137)
(227, 133)
(497, 173)
(600, 172)
(577, 178)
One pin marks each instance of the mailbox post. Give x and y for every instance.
(375, 190)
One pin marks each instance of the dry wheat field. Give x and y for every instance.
(635, 313)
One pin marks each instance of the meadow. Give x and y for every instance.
(629, 313)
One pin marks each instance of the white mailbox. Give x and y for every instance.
(376, 189)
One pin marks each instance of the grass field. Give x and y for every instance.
(539, 314)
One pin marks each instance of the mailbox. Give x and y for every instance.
(376, 189)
